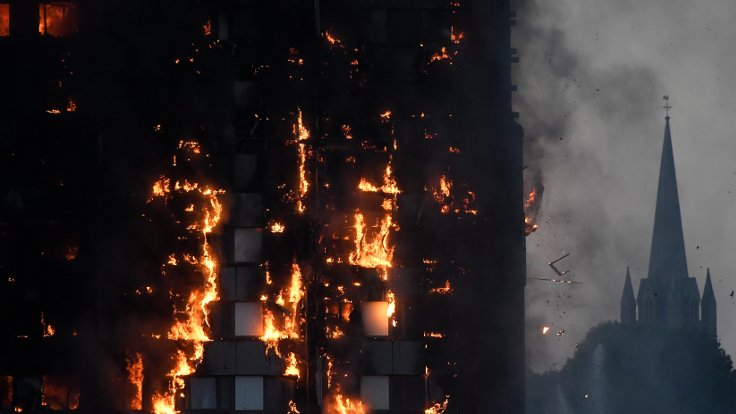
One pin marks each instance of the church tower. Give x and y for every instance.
(628, 303)
(708, 308)
(668, 297)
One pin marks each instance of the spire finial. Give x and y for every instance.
(667, 106)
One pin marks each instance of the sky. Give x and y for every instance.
(591, 78)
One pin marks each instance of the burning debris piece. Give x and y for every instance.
(532, 204)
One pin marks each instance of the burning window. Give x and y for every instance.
(4, 19)
(57, 19)
(60, 392)
(6, 392)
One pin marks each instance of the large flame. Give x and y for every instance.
(372, 247)
(191, 324)
(134, 366)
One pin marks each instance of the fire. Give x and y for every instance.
(332, 40)
(48, 330)
(372, 249)
(291, 366)
(301, 134)
(292, 408)
(545, 330)
(70, 105)
(386, 115)
(456, 37)
(56, 19)
(347, 131)
(441, 55)
(433, 335)
(531, 208)
(438, 408)
(192, 320)
(135, 377)
(207, 28)
(389, 184)
(192, 146)
(449, 203)
(4, 20)
(344, 405)
(288, 326)
(442, 290)
(276, 227)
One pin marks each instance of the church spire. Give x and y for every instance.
(667, 257)
(708, 308)
(628, 303)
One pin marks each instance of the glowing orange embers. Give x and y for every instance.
(134, 367)
(449, 203)
(332, 40)
(441, 55)
(456, 37)
(191, 319)
(4, 19)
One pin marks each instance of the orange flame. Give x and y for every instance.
(438, 408)
(301, 134)
(372, 249)
(344, 405)
(135, 377)
(193, 320)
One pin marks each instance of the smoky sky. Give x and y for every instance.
(591, 79)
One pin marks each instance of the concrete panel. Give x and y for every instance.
(248, 319)
(246, 210)
(249, 393)
(247, 245)
(374, 390)
(250, 358)
(219, 358)
(407, 357)
(202, 393)
(379, 357)
(244, 171)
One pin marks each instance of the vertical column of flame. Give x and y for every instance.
(192, 322)
(135, 377)
(301, 135)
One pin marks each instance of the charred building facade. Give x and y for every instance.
(231, 206)
(668, 297)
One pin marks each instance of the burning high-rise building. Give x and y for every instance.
(300, 207)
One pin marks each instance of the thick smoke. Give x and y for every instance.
(590, 130)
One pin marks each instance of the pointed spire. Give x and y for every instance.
(708, 308)
(708, 288)
(628, 303)
(667, 259)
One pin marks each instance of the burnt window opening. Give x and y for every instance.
(57, 19)
(4, 19)
(60, 392)
(6, 392)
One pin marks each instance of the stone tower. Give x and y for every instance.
(668, 297)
